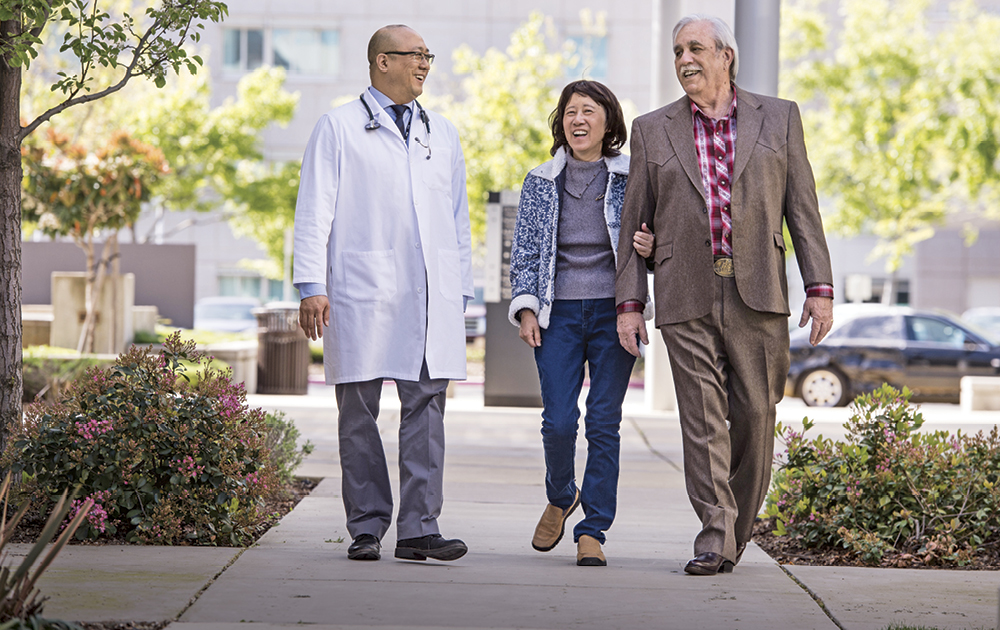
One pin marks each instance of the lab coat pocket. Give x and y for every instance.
(370, 276)
(450, 274)
(437, 172)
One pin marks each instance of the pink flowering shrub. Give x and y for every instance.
(163, 460)
(888, 488)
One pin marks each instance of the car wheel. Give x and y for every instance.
(825, 387)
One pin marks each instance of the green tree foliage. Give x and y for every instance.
(503, 113)
(263, 196)
(212, 149)
(150, 45)
(972, 79)
(215, 154)
(901, 115)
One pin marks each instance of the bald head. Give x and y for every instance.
(398, 62)
(385, 38)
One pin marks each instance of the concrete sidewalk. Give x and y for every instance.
(299, 572)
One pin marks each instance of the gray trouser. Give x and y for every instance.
(365, 474)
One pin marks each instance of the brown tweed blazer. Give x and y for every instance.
(772, 182)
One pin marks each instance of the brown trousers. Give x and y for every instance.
(729, 371)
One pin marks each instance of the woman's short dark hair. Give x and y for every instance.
(615, 132)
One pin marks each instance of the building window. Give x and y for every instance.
(867, 289)
(240, 285)
(590, 56)
(276, 291)
(243, 49)
(307, 51)
(301, 51)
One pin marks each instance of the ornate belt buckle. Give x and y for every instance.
(724, 267)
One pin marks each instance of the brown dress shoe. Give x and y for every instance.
(708, 563)
(551, 526)
(588, 552)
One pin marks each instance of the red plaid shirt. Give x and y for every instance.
(715, 144)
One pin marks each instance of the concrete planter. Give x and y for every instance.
(241, 356)
(114, 330)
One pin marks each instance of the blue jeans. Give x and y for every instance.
(579, 332)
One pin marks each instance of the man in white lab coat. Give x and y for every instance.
(383, 265)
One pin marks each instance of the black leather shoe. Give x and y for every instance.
(365, 547)
(708, 563)
(432, 546)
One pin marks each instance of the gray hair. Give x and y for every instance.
(724, 37)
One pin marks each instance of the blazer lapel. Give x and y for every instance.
(680, 131)
(749, 119)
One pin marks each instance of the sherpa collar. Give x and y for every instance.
(551, 169)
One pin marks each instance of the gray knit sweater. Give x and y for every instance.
(585, 261)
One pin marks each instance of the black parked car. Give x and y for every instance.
(927, 351)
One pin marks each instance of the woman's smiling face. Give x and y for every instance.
(584, 123)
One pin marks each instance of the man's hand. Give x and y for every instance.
(820, 309)
(530, 332)
(314, 315)
(630, 325)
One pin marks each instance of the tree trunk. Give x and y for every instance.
(115, 271)
(10, 241)
(95, 285)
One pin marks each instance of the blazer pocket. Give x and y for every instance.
(663, 252)
(773, 141)
(779, 240)
(660, 156)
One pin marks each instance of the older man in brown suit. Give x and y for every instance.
(716, 173)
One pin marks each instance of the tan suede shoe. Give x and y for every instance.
(588, 552)
(551, 526)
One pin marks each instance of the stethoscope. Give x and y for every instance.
(373, 124)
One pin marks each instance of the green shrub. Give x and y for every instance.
(164, 460)
(282, 442)
(888, 488)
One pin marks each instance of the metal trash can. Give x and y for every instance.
(282, 352)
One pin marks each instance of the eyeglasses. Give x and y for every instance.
(415, 55)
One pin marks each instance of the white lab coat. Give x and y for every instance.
(387, 231)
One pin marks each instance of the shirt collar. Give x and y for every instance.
(696, 111)
(384, 101)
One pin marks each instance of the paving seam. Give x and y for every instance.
(210, 582)
(816, 598)
(652, 450)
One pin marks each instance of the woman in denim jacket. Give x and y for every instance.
(562, 276)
